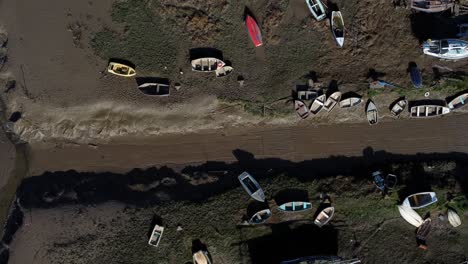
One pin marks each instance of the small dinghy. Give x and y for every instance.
(301, 109)
(448, 49)
(121, 69)
(420, 200)
(306, 95)
(372, 113)
(427, 111)
(378, 180)
(156, 236)
(458, 102)
(201, 257)
(350, 102)
(251, 186)
(416, 77)
(453, 218)
(317, 9)
(224, 71)
(338, 29)
(432, 6)
(317, 105)
(423, 230)
(154, 89)
(324, 216)
(410, 215)
(332, 101)
(207, 64)
(295, 206)
(254, 31)
(260, 217)
(398, 107)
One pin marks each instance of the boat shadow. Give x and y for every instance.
(205, 52)
(156, 220)
(374, 75)
(435, 26)
(427, 102)
(291, 195)
(450, 98)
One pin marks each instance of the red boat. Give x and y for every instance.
(254, 31)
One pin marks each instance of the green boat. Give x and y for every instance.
(295, 206)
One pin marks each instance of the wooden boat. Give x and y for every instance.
(156, 236)
(426, 111)
(350, 102)
(254, 31)
(301, 109)
(448, 49)
(295, 206)
(458, 102)
(207, 64)
(372, 113)
(420, 200)
(416, 77)
(317, 105)
(121, 69)
(379, 180)
(332, 101)
(399, 107)
(391, 181)
(410, 215)
(453, 218)
(338, 29)
(317, 9)
(201, 257)
(423, 230)
(224, 71)
(251, 186)
(324, 216)
(154, 89)
(260, 217)
(432, 6)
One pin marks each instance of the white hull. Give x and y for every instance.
(410, 215)
(453, 218)
(338, 29)
(372, 113)
(420, 200)
(252, 187)
(332, 101)
(350, 102)
(317, 105)
(427, 111)
(324, 216)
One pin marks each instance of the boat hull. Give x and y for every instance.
(420, 200)
(252, 187)
(410, 215)
(254, 31)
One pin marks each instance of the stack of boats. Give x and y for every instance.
(321, 102)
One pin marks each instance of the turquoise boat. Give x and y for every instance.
(295, 206)
(317, 9)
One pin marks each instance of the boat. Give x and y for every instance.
(372, 113)
(416, 77)
(295, 206)
(432, 6)
(156, 236)
(207, 64)
(301, 109)
(448, 49)
(201, 257)
(410, 215)
(332, 101)
(398, 107)
(350, 102)
(321, 260)
(379, 180)
(458, 102)
(307, 95)
(224, 71)
(391, 181)
(324, 216)
(420, 200)
(426, 111)
(251, 186)
(121, 69)
(254, 30)
(338, 29)
(463, 31)
(317, 105)
(317, 9)
(260, 217)
(453, 218)
(154, 89)
(423, 230)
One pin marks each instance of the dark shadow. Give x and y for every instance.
(15, 116)
(255, 207)
(291, 195)
(197, 245)
(142, 80)
(156, 220)
(332, 7)
(435, 26)
(350, 95)
(332, 87)
(427, 102)
(312, 75)
(411, 65)
(123, 61)
(450, 98)
(197, 53)
(10, 85)
(247, 12)
(374, 75)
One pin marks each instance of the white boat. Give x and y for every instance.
(372, 113)
(432, 6)
(317, 105)
(251, 186)
(154, 89)
(317, 9)
(301, 109)
(260, 217)
(307, 95)
(338, 29)
(453, 218)
(410, 215)
(448, 49)
(156, 236)
(463, 31)
(224, 71)
(458, 102)
(207, 64)
(324, 216)
(350, 102)
(201, 257)
(332, 101)
(426, 111)
(420, 200)
(399, 107)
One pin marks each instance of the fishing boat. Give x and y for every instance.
(121, 69)
(254, 31)
(295, 206)
(301, 109)
(420, 200)
(398, 107)
(432, 6)
(463, 33)
(458, 102)
(324, 216)
(332, 101)
(156, 236)
(350, 102)
(260, 217)
(207, 64)
(410, 215)
(338, 29)
(416, 77)
(426, 111)
(391, 181)
(251, 186)
(317, 9)
(154, 89)
(448, 49)
(372, 113)
(224, 71)
(378, 180)
(453, 218)
(317, 105)
(201, 257)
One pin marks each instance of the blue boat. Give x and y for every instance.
(379, 180)
(416, 76)
(295, 206)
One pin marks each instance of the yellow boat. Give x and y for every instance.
(121, 69)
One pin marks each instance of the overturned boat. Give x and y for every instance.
(379, 180)
(301, 109)
(201, 257)
(154, 89)
(426, 111)
(156, 235)
(332, 101)
(420, 200)
(453, 218)
(317, 105)
(350, 102)
(207, 64)
(324, 216)
(251, 186)
(448, 49)
(295, 206)
(121, 69)
(410, 215)
(260, 217)
(416, 76)
(372, 113)
(432, 6)
(398, 107)
(317, 9)
(254, 31)
(224, 71)
(458, 102)
(338, 29)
